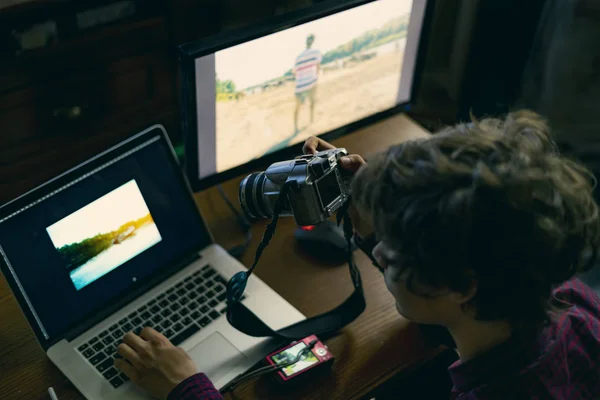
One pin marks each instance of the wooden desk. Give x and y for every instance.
(372, 349)
(379, 343)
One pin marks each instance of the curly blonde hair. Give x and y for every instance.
(491, 202)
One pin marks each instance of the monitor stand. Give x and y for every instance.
(324, 242)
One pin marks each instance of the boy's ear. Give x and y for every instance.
(464, 297)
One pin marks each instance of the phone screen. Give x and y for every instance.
(290, 354)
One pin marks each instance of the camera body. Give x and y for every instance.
(317, 188)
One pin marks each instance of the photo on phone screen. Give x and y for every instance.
(290, 354)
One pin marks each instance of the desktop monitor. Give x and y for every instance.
(251, 97)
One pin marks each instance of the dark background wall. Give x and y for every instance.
(79, 76)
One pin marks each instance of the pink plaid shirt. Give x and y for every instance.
(196, 387)
(563, 362)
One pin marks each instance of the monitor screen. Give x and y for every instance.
(260, 96)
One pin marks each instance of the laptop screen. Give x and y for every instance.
(98, 233)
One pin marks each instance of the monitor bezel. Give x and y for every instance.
(103, 311)
(189, 52)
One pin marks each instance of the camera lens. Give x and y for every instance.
(251, 196)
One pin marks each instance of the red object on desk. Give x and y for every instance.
(317, 358)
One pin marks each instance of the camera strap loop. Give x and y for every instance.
(270, 231)
(237, 283)
(343, 216)
(322, 325)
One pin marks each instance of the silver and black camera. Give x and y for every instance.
(317, 188)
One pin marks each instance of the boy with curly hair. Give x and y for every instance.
(480, 229)
(483, 228)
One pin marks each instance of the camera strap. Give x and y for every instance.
(326, 324)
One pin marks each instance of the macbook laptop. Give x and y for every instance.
(116, 244)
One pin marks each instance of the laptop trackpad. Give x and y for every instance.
(216, 356)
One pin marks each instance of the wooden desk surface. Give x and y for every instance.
(373, 348)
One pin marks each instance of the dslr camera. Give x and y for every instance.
(317, 188)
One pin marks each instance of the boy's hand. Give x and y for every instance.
(313, 145)
(350, 163)
(153, 363)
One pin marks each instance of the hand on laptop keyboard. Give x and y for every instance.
(153, 362)
(182, 310)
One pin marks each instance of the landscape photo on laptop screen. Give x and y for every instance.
(104, 234)
(278, 90)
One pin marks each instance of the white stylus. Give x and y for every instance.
(52, 393)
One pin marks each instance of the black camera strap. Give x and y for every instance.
(326, 324)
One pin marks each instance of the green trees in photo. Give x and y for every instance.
(77, 254)
(392, 30)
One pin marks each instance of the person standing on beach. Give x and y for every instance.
(306, 72)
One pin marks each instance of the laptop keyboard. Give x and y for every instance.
(178, 313)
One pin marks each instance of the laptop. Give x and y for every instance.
(116, 244)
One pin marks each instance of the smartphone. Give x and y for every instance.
(316, 360)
